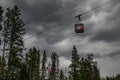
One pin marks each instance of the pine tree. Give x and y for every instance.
(33, 64)
(44, 66)
(2, 67)
(15, 32)
(89, 64)
(61, 75)
(83, 69)
(93, 72)
(1, 17)
(88, 69)
(117, 77)
(14, 40)
(1, 27)
(2, 58)
(24, 75)
(74, 66)
(54, 67)
(96, 73)
(57, 67)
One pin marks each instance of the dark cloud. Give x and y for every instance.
(38, 7)
(112, 24)
(45, 12)
(106, 6)
(110, 55)
(108, 35)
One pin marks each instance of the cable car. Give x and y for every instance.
(79, 26)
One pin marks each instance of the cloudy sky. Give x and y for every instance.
(50, 26)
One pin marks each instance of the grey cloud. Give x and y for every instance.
(105, 6)
(30, 13)
(36, 13)
(112, 34)
(110, 55)
(108, 35)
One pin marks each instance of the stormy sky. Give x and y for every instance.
(50, 25)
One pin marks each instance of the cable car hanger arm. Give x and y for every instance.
(79, 17)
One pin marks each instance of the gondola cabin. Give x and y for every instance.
(79, 28)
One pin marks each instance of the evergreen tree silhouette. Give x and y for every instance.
(14, 40)
(74, 66)
(44, 60)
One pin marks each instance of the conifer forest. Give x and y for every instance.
(20, 63)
